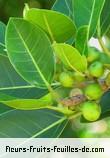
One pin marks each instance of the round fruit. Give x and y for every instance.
(75, 92)
(66, 79)
(91, 111)
(108, 79)
(78, 77)
(93, 91)
(96, 69)
(93, 54)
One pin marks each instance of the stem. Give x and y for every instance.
(106, 51)
(74, 116)
(63, 110)
(54, 94)
(56, 84)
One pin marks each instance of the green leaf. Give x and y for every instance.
(31, 124)
(105, 102)
(69, 131)
(105, 18)
(81, 40)
(70, 57)
(87, 12)
(4, 109)
(2, 50)
(82, 12)
(2, 33)
(12, 86)
(64, 7)
(105, 107)
(2, 38)
(59, 27)
(30, 104)
(29, 50)
(17, 93)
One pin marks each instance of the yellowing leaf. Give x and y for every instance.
(70, 57)
(58, 26)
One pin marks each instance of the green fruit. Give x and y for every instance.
(93, 91)
(78, 77)
(91, 111)
(96, 69)
(93, 54)
(66, 79)
(108, 79)
(75, 92)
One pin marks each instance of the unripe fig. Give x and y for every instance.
(96, 69)
(66, 79)
(93, 54)
(107, 81)
(93, 91)
(75, 92)
(91, 111)
(78, 77)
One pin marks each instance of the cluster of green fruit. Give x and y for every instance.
(87, 85)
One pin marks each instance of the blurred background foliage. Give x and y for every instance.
(14, 8)
(76, 129)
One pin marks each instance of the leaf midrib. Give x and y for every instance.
(36, 66)
(48, 27)
(49, 127)
(70, 63)
(45, 129)
(17, 87)
(92, 12)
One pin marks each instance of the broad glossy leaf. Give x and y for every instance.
(4, 109)
(105, 102)
(73, 132)
(2, 33)
(81, 40)
(70, 57)
(31, 124)
(29, 50)
(3, 50)
(87, 12)
(12, 86)
(30, 104)
(2, 38)
(64, 6)
(59, 27)
(105, 18)
(17, 93)
(83, 12)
